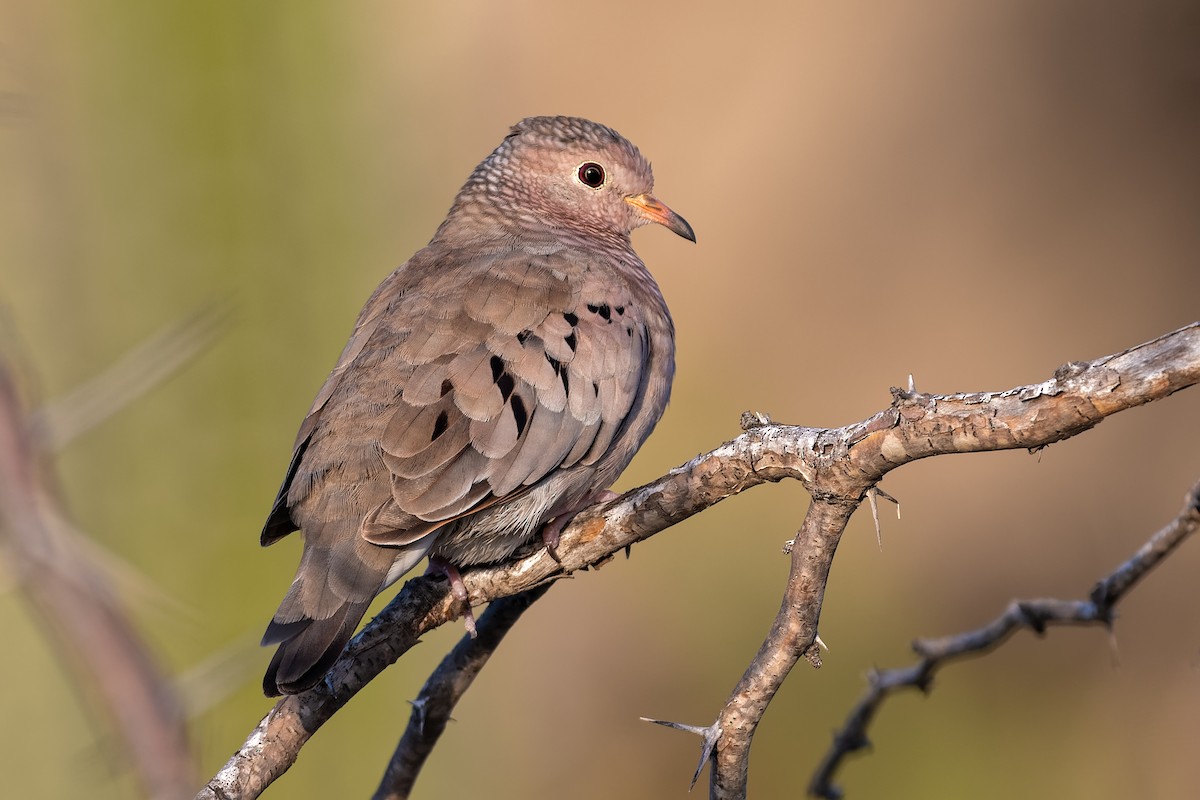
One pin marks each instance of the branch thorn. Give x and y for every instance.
(872, 493)
(711, 734)
(419, 705)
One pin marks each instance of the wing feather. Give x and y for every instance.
(479, 390)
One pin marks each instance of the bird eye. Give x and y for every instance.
(591, 174)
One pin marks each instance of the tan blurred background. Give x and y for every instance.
(971, 193)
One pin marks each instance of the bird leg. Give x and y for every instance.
(439, 565)
(552, 530)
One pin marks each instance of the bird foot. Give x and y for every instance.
(552, 531)
(439, 565)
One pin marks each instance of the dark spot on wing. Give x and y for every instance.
(603, 310)
(571, 319)
(501, 377)
(439, 426)
(506, 384)
(520, 415)
(560, 371)
(571, 342)
(447, 387)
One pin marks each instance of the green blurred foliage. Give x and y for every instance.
(971, 193)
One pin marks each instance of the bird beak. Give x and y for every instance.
(654, 210)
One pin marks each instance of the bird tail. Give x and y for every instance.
(339, 575)
(307, 648)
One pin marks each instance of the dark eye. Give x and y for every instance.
(591, 174)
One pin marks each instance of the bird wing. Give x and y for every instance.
(464, 387)
(517, 373)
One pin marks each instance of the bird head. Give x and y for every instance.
(568, 175)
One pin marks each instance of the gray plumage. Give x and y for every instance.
(500, 377)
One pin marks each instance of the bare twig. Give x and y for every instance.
(135, 373)
(837, 466)
(81, 615)
(1036, 615)
(448, 683)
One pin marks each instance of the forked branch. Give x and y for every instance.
(837, 466)
(1036, 615)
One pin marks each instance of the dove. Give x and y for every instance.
(499, 380)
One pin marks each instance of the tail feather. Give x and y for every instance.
(339, 575)
(307, 649)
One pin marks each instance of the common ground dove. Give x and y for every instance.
(501, 378)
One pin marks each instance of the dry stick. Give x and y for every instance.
(846, 463)
(134, 374)
(1036, 615)
(793, 634)
(447, 684)
(837, 466)
(82, 618)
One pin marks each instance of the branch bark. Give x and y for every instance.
(849, 462)
(448, 683)
(837, 466)
(1036, 615)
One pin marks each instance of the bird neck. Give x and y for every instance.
(479, 217)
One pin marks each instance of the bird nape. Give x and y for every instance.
(498, 380)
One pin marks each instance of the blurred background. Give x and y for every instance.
(973, 193)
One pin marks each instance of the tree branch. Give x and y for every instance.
(80, 613)
(1035, 615)
(847, 462)
(837, 466)
(448, 683)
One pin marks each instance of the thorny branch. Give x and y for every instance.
(448, 683)
(1036, 615)
(837, 466)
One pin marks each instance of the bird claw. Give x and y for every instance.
(552, 530)
(437, 564)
